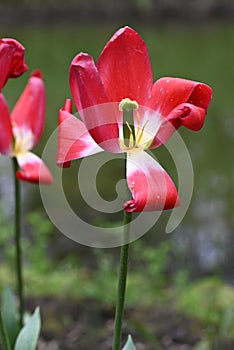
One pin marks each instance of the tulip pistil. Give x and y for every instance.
(132, 136)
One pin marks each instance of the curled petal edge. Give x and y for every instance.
(151, 187)
(187, 115)
(33, 169)
(168, 93)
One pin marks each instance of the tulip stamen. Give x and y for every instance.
(140, 134)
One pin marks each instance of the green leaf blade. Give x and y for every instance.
(129, 345)
(29, 334)
(3, 335)
(9, 315)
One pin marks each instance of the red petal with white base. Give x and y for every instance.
(152, 188)
(125, 68)
(33, 169)
(12, 62)
(6, 135)
(74, 141)
(29, 111)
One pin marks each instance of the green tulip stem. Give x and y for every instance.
(123, 269)
(18, 252)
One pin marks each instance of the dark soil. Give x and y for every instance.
(88, 325)
(67, 325)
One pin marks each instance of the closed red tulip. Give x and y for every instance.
(21, 130)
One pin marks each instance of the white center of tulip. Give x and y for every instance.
(23, 140)
(138, 138)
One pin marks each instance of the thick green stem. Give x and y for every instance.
(123, 269)
(127, 107)
(18, 253)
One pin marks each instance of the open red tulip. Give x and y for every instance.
(122, 80)
(21, 130)
(12, 61)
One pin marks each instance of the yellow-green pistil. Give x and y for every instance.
(136, 138)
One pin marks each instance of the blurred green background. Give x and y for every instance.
(193, 41)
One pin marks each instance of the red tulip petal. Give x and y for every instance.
(168, 93)
(91, 100)
(125, 68)
(186, 114)
(181, 102)
(17, 62)
(29, 111)
(6, 55)
(152, 188)
(33, 169)
(74, 141)
(6, 135)
(102, 121)
(12, 61)
(86, 86)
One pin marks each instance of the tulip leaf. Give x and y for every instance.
(28, 336)
(3, 335)
(129, 345)
(9, 316)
